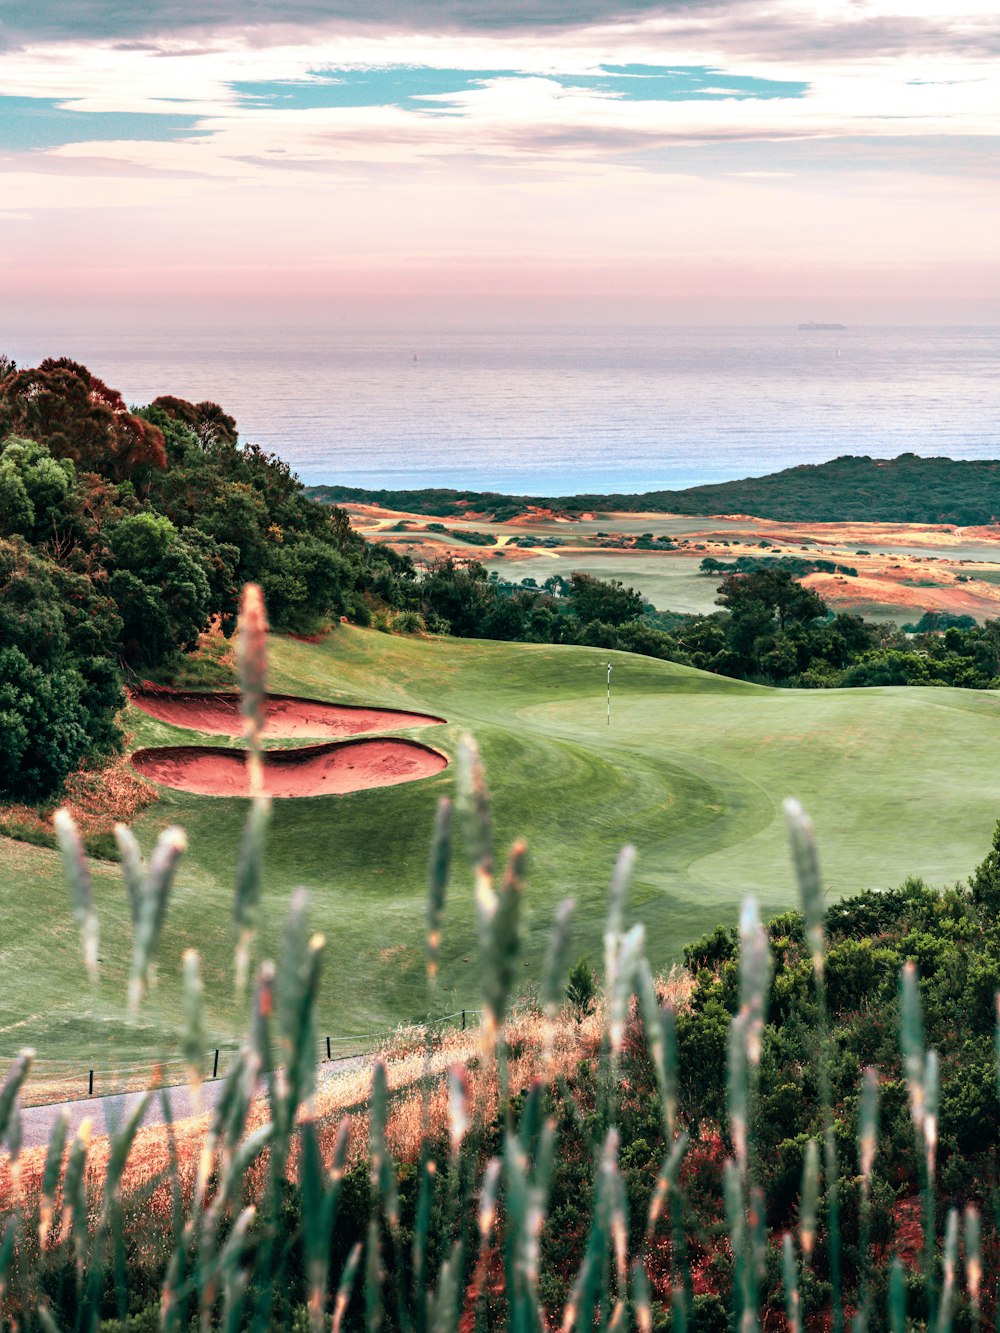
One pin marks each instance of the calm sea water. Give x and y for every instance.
(564, 410)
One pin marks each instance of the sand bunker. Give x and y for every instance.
(219, 715)
(315, 770)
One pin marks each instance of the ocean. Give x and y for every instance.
(562, 410)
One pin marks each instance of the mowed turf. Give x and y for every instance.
(671, 582)
(692, 770)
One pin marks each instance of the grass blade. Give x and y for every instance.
(790, 1275)
(438, 872)
(249, 882)
(75, 867)
(133, 869)
(153, 898)
(251, 657)
(807, 873)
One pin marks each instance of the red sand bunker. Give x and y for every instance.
(315, 770)
(219, 715)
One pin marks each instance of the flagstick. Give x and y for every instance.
(609, 694)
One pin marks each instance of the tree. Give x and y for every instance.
(43, 726)
(61, 404)
(209, 422)
(161, 585)
(34, 489)
(769, 616)
(304, 582)
(581, 988)
(459, 594)
(60, 690)
(887, 666)
(608, 601)
(507, 617)
(985, 880)
(774, 591)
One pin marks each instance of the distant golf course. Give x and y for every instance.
(692, 770)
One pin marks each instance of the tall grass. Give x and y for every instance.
(236, 1221)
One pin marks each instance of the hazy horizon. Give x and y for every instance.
(35, 317)
(561, 409)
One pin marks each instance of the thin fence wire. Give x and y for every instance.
(64, 1079)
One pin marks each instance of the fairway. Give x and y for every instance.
(671, 582)
(692, 770)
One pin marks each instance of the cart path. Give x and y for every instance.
(107, 1114)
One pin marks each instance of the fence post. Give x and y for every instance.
(91, 1083)
(463, 1020)
(215, 1066)
(328, 1055)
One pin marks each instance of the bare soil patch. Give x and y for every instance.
(315, 770)
(98, 796)
(285, 716)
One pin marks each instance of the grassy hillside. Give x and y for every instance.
(907, 489)
(691, 770)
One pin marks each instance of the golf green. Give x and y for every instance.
(692, 770)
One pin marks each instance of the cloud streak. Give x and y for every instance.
(28, 21)
(408, 137)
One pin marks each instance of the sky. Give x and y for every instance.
(693, 161)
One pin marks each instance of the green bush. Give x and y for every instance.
(581, 988)
(409, 622)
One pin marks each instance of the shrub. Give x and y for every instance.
(581, 988)
(409, 622)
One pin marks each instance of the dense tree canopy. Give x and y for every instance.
(127, 532)
(61, 404)
(59, 685)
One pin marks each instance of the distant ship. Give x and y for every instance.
(813, 327)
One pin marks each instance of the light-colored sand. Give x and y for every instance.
(218, 714)
(903, 568)
(316, 770)
(975, 598)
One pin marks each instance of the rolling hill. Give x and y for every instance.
(907, 489)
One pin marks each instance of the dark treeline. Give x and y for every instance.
(769, 629)
(850, 489)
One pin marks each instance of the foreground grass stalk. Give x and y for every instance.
(950, 1263)
(617, 981)
(920, 1067)
(77, 874)
(790, 1275)
(867, 1146)
(251, 657)
(806, 861)
(973, 1261)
